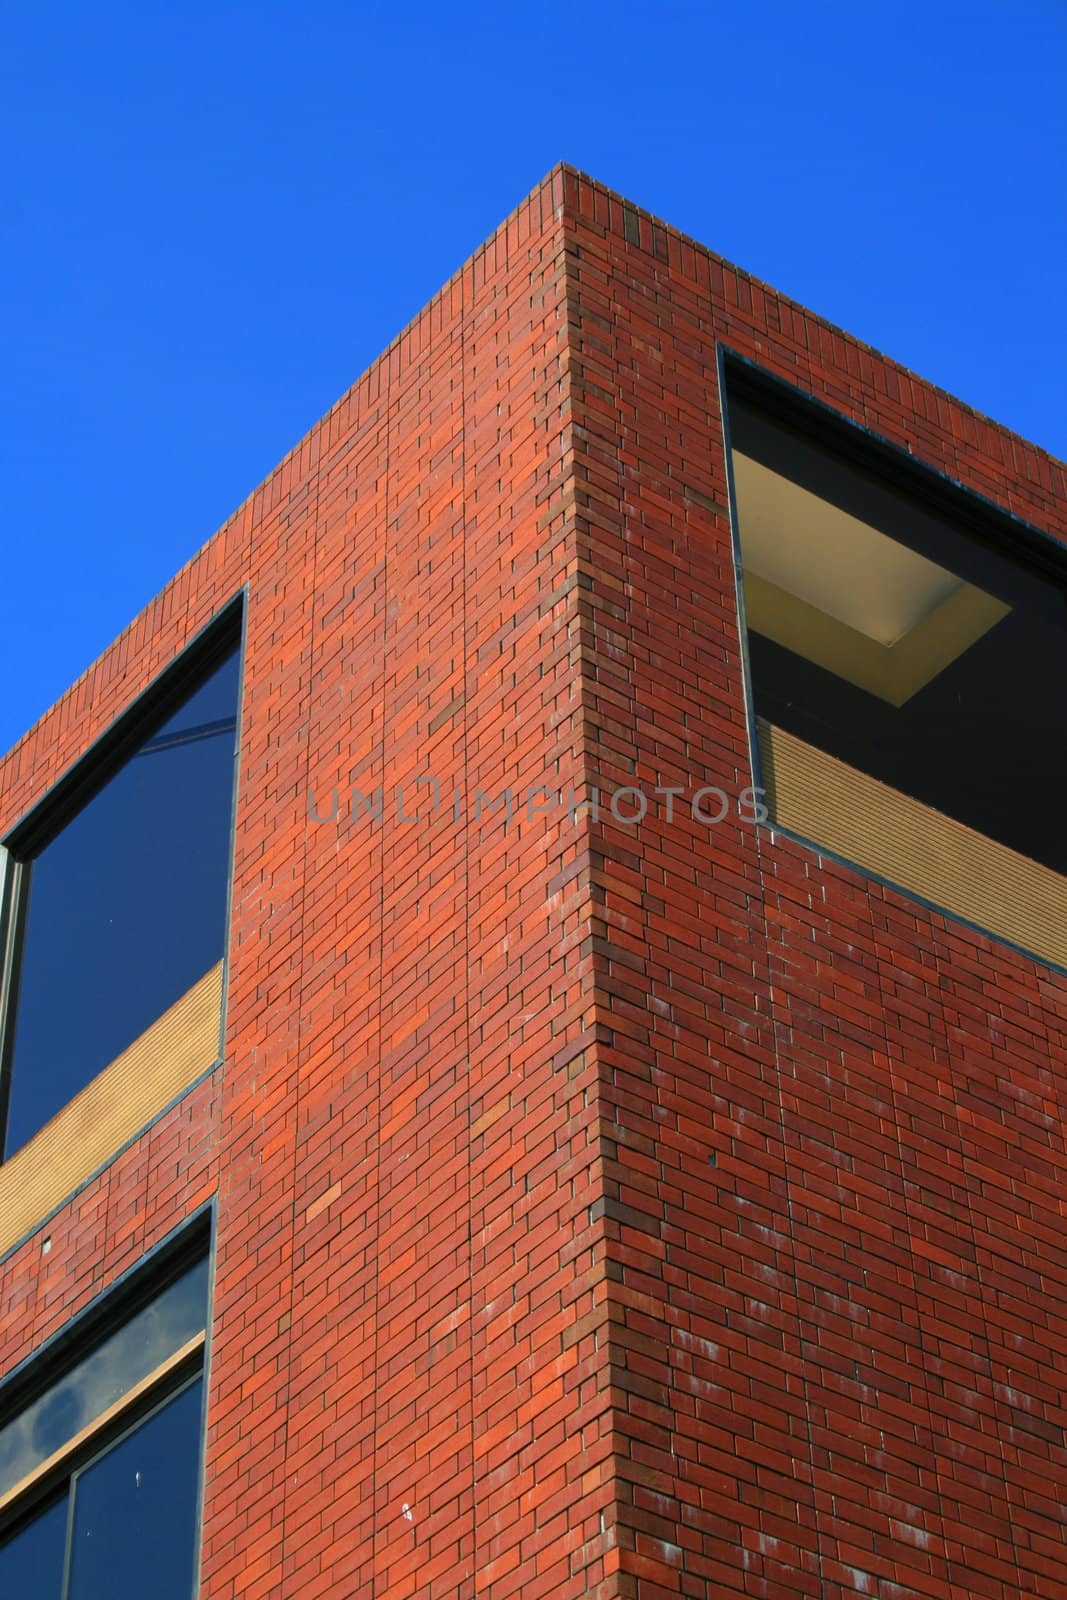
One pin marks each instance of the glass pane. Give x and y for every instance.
(104, 1376)
(135, 1510)
(126, 906)
(31, 1562)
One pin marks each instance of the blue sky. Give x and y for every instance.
(214, 216)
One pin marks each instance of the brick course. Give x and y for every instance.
(600, 1210)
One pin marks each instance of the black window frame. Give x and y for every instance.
(90, 774)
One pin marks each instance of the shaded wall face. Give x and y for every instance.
(837, 1116)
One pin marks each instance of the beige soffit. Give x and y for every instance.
(837, 591)
(112, 1108)
(912, 845)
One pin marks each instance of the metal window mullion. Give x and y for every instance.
(14, 890)
(68, 1545)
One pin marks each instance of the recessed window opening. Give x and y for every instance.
(892, 628)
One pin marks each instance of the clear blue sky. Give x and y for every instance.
(215, 215)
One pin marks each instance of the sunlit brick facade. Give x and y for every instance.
(600, 1208)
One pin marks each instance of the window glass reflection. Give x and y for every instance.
(884, 634)
(135, 1510)
(126, 906)
(84, 1393)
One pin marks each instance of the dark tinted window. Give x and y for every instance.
(848, 578)
(134, 1516)
(130, 1517)
(125, 908)
(31, 1560)
(105, 1467)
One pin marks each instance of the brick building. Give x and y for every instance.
(593, 1124)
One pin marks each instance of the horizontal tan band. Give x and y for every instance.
(112, 1108)
(912, 845)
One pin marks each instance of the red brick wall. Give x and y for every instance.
(836, 1192)
(655, 1211)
